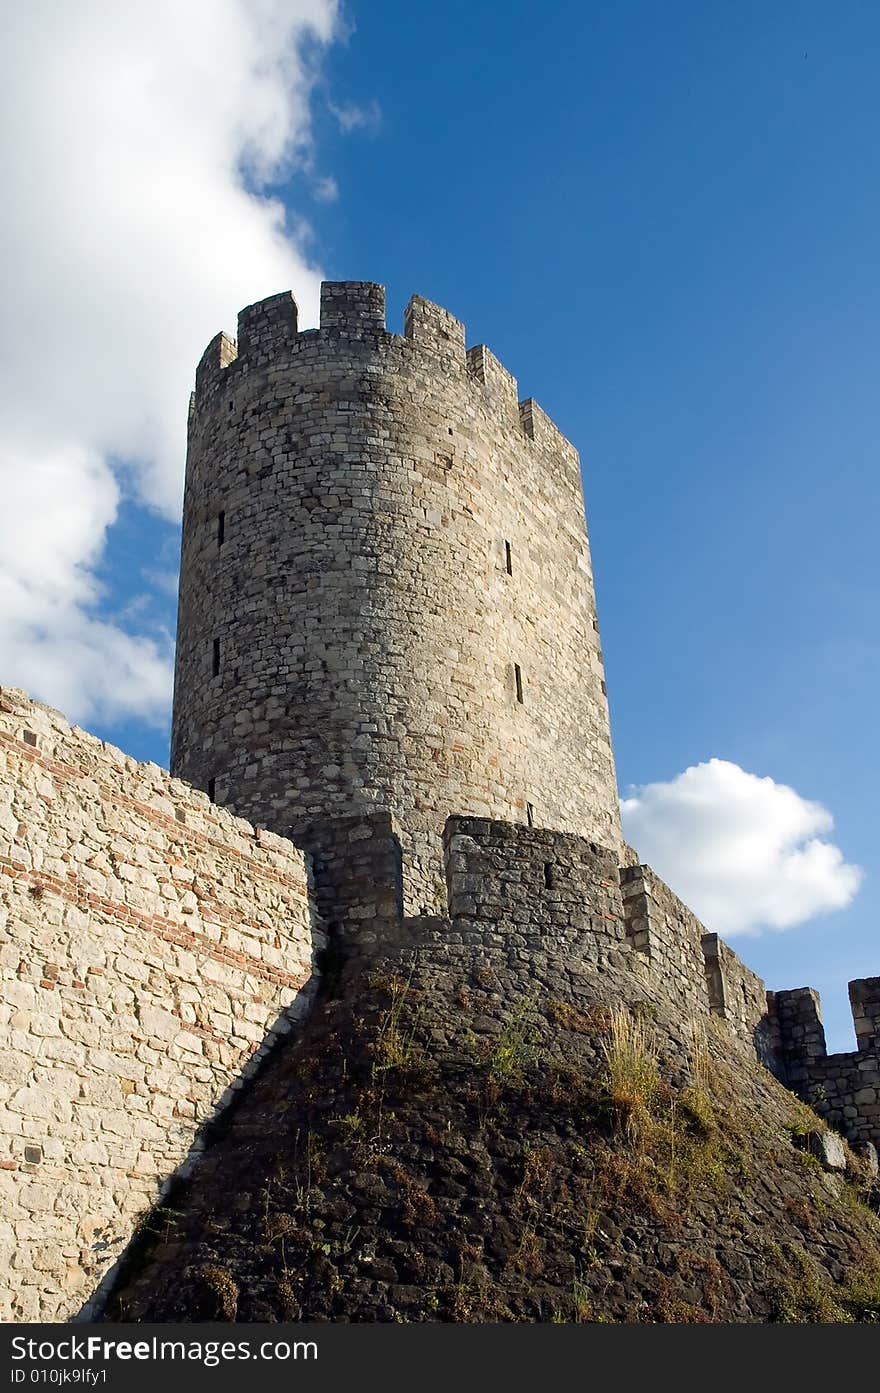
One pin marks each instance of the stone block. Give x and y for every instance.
(827, 1147)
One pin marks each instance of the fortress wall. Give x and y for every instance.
(383, 551)
(842, 1088)
(501, 877)
(150, 945)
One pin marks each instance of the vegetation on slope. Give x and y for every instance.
(437, 1147)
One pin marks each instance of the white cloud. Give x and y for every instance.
(137, 139)
(326, 189)
(57, 503)
(743, 852)
(351, 117)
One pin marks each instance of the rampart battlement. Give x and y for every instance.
(434, 328)
(265, 329)
(800, 1019)
(844, 1087)
(210, 372)
(553, 891)
(564, 899)
(499, 384)
(691, 966)
(864, 1000)
(352, 308)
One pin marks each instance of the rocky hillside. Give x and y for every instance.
(441, 1146)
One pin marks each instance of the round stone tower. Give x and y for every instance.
(386, 598)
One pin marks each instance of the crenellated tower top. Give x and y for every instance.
(268, 333)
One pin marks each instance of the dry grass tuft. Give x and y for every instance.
(631, 1061)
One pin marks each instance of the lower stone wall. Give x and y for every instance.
(844, 1089)
(442, 1116)
(151, 948)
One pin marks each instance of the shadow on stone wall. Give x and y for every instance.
(280, 1034)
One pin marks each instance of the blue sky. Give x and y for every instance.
(664, 221)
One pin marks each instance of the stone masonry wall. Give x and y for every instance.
(740, 996)
(667, 937)
(531, 887)
(386, 597)
(843, 1088)
(151, 946)
(356, 874)
(536, 892)
(692, 968)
